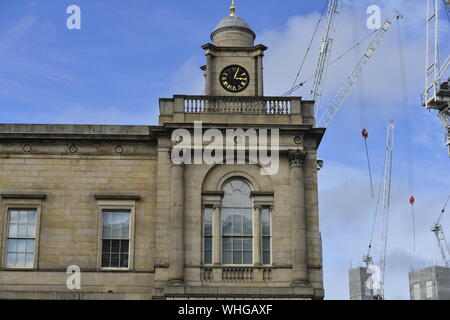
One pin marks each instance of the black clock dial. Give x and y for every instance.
(234, 78)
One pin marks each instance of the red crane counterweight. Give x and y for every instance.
(365, 134)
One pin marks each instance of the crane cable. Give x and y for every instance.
(445, 9)
(443, 210)
(411, 201)
(408, 130)
(372, 232)
(309, 47)
(365, 135)
(301, 84)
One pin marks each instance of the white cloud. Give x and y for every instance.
(189, 79)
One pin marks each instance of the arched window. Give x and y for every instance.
(237, 222)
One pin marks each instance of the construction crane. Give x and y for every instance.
(325, 51)
(440, 237)
(351, 80)
(437, 90)
(378, 292)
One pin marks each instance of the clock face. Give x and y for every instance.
(234, 78)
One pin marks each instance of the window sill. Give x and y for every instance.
(238, 265)
(20, 269)
(116, 269)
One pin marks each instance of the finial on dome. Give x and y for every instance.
(232, 9)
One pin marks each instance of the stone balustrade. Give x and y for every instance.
(236, 274)
(244, 105)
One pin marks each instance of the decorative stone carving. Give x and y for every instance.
(26, 148)
(298, 139)
(73, 148)
(118, 149)
(296, 157)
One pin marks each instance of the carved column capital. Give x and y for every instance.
(297, 157)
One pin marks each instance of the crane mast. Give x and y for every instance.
(385, 206)
(437, 90)
(325, 50)
(442, 242)
(351, 80)
(440, 237)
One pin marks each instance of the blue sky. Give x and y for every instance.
(130, 53)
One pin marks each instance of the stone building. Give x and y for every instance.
(111, 201)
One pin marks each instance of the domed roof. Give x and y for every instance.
(232, 22)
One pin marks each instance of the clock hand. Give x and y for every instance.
(237, 71)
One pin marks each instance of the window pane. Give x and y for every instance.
(226, 257)
(266, 243)
(124, 261)
(13, 230)
(21, 245)
(208, 257)
(226, 222)
(236, 197)
(207, 221)
(236, 184)
(115, 260)
(208, 243)
(20, 260)
(13, 216)
(31, 230)
(115, 246)
(266, 257)
(115, 230)
(107, 218)
(11, 260)
(227, 188)
(12, 245)
(23, 217)
(248, 244)
(29, 259)
(245, 190)
(248, 225)
(237, 222)
(208, 229)
(106, 246)
(125, 230)
(106, 260)
(226, 243)
(237, 257)
(208, 215)
(107, 231)
(227, 201)
(265, 230)
(30, 246)
(237, 244)
(265, 221)
(22, 231)
(31, 216)
(248, 257)
(116, 217)
(124, 246)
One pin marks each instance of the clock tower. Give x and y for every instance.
(234, 65)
